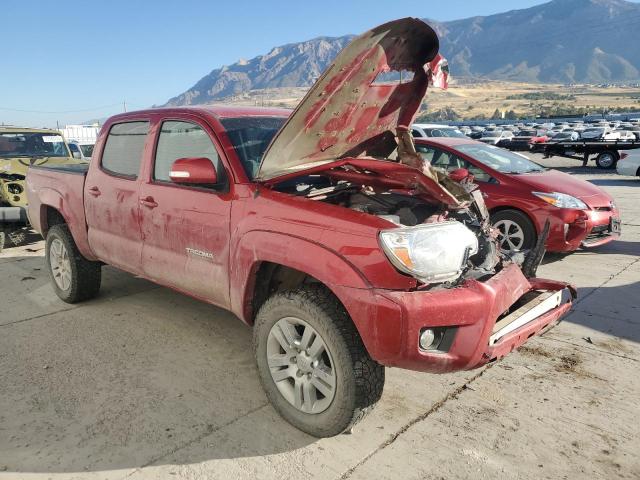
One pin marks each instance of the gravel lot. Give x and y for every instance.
(146, 383)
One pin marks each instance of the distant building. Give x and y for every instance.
(81, 133)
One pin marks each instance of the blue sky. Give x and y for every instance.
(79, 59)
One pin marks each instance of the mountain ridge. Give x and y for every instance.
(562, 41)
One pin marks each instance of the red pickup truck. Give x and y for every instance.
(319, 228)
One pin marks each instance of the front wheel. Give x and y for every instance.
(74, 277)
(312, 364)
(515, 230)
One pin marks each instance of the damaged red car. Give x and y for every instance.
(322, 230)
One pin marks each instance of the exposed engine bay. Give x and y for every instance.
(403, 209)
(440, 223)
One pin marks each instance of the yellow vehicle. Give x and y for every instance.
(19, 149)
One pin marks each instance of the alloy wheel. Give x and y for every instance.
(510, 235)
(60, 264)
(301, 365)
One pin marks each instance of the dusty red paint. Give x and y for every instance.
(149, 228)
(343, 112)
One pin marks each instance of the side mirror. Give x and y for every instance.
(460, 174)
(193, 170)
(76, 154)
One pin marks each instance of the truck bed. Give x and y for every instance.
(59, 187)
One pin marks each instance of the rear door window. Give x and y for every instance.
(122, 153)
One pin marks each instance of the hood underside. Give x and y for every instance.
(351, 110)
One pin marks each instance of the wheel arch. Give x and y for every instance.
(54, 211)
(502, 208)
(264, 262)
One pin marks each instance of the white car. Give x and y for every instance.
(81, 150)
(626, 136)
(629, 163)
(494, 137)
(600, 133)
(426, 130)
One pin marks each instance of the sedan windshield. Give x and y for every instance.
(499, 159)
(494, 133)
(28, 144)
(250, 137)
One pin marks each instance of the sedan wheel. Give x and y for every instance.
(510, 236)
(515, 230)
(301, 366)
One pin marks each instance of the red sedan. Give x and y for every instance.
(521, 195)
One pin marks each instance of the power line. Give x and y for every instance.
(61, 111)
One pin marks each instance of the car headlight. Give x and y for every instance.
(431, 252)
(561, 200)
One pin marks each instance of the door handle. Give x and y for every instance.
(95, 191)
(148, 202)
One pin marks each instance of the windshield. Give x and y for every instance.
(494, 133)
(250, 137)
(499, 159)
(27, 144)
(87, 150)
(444, 132)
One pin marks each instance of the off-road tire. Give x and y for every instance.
(86, 276)
(523, 221)
(360, 380)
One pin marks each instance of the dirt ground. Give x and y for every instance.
(144, 383)
(482, 98)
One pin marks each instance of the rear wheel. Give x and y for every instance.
(515, 230)
(312, 364)
(606, 160)
(74, 277)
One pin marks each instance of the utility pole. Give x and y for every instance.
(124, 105)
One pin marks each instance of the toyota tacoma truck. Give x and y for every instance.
(19, 149)
(320, 228)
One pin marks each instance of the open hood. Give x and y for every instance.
(351, 110)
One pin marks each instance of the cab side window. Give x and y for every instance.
(439, 158)
(123, 150)
(449, 162)
(184, 140)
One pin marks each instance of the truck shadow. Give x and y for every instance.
(613, 311)
(141, 375)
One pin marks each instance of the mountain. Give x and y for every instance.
(563, 41)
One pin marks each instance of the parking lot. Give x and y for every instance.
(143, 382)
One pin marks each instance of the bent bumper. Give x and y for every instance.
(468, 313)
(572, 229)
(13, 215)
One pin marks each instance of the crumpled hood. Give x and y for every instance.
(345, 113)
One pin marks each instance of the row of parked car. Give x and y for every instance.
(522, 136)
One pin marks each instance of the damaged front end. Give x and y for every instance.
(348, 144)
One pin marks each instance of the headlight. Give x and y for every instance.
(431, 252)
(561, 200)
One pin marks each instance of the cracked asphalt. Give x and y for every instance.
(144, 383)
